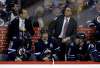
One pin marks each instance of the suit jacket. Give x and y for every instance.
(13, 28)
(71, 28)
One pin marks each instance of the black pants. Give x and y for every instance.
(61, 53)
(64, 49)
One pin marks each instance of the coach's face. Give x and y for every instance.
(68, 12)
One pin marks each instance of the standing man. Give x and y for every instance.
(20, 32)
(65, 30)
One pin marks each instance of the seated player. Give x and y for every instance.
(86, 49)
(82, 52)
(46, 48)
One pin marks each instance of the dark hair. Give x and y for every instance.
(66, 6)
(20, 11)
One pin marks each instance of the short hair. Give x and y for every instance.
(21, 10)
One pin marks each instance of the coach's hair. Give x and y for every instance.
(66, 6)
(21, 10)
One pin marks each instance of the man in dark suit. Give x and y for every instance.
(65, 29)
(20, 32)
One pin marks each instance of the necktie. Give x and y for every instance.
(65, 27)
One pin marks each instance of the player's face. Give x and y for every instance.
(45, 36)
